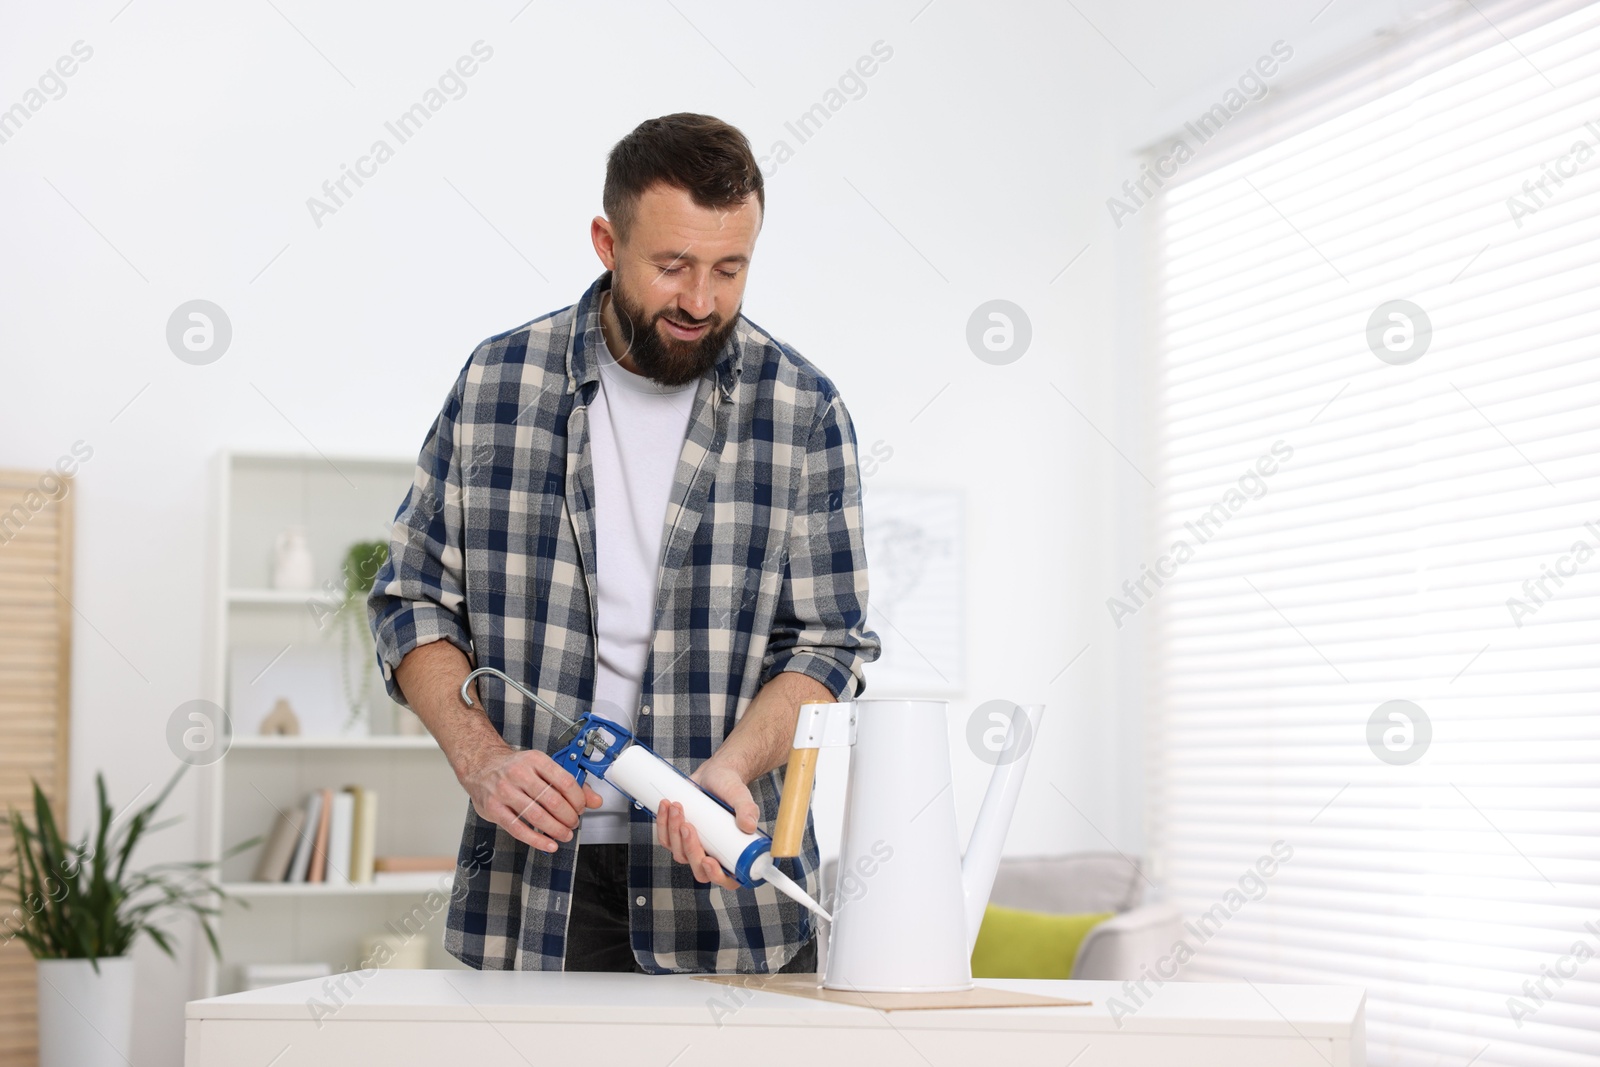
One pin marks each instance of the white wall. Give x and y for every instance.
(976, 165)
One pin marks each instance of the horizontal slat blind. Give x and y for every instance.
(1335, 531)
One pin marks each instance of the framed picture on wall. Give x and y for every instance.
(915, 544)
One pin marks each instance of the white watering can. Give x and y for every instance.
(906, 906)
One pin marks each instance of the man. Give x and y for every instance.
(646, 504)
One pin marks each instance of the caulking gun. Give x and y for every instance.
(598, 746)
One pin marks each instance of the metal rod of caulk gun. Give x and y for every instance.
(597, 739)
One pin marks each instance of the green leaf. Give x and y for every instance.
(160, 939)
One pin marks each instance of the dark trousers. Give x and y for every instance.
(597, 934)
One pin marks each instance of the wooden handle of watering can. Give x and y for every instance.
(797, 781)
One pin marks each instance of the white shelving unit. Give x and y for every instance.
(339, 500)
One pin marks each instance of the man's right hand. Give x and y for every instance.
(534, 798)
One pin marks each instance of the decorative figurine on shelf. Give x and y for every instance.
(292, 565)
(281, 721)
(357, 654)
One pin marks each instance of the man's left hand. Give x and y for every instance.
(674, 832)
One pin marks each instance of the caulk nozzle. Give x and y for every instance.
(766, 869)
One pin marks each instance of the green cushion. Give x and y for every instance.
(1030, 944)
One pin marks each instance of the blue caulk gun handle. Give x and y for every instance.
(586, 754)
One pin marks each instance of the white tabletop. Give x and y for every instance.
(1192, 1008)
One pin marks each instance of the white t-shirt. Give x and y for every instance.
(636, 430)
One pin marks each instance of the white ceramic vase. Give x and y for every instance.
(292, 564)
(85, 1019)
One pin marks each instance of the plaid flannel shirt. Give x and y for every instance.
(762, 571)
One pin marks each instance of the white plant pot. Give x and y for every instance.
(85, 1019)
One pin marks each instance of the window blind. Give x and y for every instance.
(1373, 576)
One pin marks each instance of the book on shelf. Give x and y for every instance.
(412, 870)
(319, 841)
(440, 880)
(308, 829)
(366, 832)
(341, 825)
(328, 839)
(273, 866)
(411, 864)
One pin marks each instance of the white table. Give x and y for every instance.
(521, 1018)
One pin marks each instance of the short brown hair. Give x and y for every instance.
(702, 155)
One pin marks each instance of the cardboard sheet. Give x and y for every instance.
(806, 985)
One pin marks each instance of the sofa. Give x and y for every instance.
(1072, 883)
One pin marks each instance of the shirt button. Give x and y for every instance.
(645, 709)
(639, 901)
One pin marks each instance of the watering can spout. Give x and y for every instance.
(982, 859)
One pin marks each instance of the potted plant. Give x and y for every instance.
(79, 907)
(362, 562)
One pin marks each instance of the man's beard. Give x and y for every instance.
(667, 361)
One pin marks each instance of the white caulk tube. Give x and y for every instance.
(648, 780)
